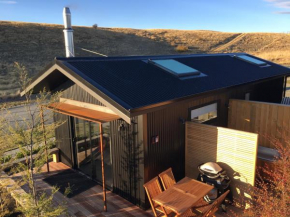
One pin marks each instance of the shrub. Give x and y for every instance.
(5, 159)
(181, 48)
(95, 26)
(271, 195)
(7, 203)
(21, 154)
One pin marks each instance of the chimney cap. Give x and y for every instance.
(66, 10)
(67, 18)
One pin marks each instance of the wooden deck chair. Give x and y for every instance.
(167, 178)
(208, 210)
(190, 213)
(201, 206)
(152, 189)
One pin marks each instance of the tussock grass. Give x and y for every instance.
(181, 48)
(279, 56)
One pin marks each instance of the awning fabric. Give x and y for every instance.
(82, 113)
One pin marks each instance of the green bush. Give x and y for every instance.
(5, 159)
(21, 154)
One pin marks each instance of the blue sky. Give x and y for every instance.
(220, 15)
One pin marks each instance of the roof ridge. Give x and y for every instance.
(141, 57)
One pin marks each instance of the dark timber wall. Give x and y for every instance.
(128, 158)
(270, 91)
(72, 91)
(167, 124)
(63, 139)
(127, 148)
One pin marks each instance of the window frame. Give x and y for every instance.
(210, 121)
(252, 60)
(180, 76)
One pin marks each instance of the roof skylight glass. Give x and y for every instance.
(175, 67)
(251, 60)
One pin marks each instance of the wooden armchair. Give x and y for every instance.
(167, 178)
(152, 189)
(206, 209)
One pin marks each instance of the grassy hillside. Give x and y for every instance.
(35, 45)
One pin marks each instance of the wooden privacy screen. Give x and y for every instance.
(269, 120)
(233, 150)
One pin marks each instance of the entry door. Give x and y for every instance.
(83, 146)
(88, 153)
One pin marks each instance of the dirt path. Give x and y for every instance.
(225, 46)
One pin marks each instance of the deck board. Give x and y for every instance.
(88, 202)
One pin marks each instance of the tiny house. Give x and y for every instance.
(142, 104)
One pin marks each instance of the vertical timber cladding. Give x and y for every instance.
(63, 139)
(72, 91)
(168, 124)
(128, 159)
(233, 150)
(271, 121)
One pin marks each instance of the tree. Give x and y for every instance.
(6, 202)
(29, 132)
(271, 196)
(95, 26)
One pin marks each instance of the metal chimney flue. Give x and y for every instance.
(68, 33)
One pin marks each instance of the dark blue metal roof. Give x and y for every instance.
(134, 83)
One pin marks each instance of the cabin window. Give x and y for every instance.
(204, 114)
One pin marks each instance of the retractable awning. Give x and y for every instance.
(82, 112)
(90, 112)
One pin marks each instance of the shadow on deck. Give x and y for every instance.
(86, 198)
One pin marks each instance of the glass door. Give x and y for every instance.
(96, 152)
(88, 153)
(83, 148)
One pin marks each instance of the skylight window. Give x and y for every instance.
(176, 68)
(251, 60)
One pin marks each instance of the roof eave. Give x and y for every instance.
(39, 77)
(162, 105)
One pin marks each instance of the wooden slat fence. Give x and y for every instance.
(235, 151)
(269, 120)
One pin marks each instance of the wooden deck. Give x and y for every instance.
(90, 201)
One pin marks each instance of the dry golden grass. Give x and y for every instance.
(181, 48)
(34, 45)
(279, 56)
